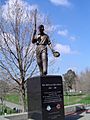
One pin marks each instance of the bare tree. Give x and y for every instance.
(4, 88)
(84, 80)
(17, 54)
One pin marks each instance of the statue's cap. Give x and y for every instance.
(41, 26)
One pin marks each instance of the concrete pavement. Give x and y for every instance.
(12, 105)
(23, 116)
(78, 116)
(75, 116)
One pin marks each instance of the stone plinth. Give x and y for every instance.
(45, 98)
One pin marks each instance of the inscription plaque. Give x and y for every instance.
(52, 99)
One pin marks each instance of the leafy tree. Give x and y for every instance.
(69, 78)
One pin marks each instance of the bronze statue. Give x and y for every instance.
(42, 40)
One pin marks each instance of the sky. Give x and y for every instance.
(70, 20)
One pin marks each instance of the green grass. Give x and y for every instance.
(85, 100)
(75, 99)
(12, 97)
(68, 100)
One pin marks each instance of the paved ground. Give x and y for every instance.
(78, 116)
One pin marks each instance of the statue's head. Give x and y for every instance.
(41, 28)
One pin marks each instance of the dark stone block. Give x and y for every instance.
(45, 98)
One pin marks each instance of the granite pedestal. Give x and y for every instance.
(45, 98)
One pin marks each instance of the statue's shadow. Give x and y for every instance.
(75, 116)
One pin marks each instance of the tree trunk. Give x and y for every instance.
(23, 98)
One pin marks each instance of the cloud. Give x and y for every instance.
(10, 39)
(65, 49)
(51, 28)
(61, 2)
(25, 14)
(65, 33)
(11, 7)
(72, 38)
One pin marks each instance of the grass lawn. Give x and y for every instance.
(75, 99)
(68, 100)
(85, 100)
(12, 97)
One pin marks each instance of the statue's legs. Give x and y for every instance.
(39, 62)
(44, 62)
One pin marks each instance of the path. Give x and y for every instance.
(12, 105)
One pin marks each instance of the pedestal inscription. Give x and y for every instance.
(52, 98)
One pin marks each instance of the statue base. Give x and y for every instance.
(45, 98)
